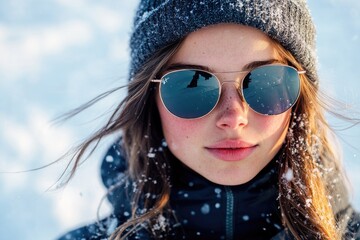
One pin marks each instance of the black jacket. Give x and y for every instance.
(205, 210)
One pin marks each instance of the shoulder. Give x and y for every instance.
(348, 221)
(102, 230)
(352, 230)
(119, 192)
(96, 231)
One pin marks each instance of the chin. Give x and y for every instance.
(231, 179)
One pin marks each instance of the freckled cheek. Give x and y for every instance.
(273, 124)
(175, 129)
(180, 137)
(178, 129)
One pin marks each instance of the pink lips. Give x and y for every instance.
(231, 150)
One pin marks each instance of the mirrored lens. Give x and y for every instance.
(189, 93)
(272, 89)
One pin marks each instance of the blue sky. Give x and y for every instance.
(57, 54)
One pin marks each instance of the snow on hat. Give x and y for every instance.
(161, 22)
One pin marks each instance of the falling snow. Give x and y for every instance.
(109, 159)
(289, 175)
(205, 209)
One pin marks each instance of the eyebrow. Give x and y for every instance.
(247, 67)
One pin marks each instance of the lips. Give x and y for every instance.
(231, 150)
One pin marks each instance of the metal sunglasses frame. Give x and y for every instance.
(221, 83)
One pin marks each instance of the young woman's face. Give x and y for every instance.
(233, 143)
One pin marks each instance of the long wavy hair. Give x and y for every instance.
(308, 155)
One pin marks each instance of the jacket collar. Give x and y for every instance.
(206, 210)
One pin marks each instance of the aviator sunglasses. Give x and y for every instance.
(193, 93)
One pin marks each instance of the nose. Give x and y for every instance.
(232, 109)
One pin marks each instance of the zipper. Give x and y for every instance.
(229, 214)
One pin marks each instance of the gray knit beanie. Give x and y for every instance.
(161, 22)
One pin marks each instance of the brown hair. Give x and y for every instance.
(307, 156)
(304, 190)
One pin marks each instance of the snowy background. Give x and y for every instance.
(58, 54)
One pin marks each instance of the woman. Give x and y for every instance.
(222, 134)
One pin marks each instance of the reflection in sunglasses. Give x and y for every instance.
(194, 80)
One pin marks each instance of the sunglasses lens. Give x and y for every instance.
(189, 93)
(272, 89)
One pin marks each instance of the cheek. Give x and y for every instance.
(274, 126)
(180, 135)
(175, 129)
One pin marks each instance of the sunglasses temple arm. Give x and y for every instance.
(301, 72)
(155, 80)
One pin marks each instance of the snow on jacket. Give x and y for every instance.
(205, 210)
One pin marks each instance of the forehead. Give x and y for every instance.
(225, 47)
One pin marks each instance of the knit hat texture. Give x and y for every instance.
(162, 22)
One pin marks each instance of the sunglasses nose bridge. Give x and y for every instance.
(237, 85)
